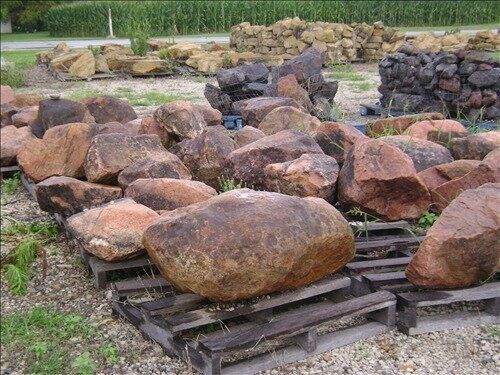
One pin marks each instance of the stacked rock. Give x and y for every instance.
(455, 82)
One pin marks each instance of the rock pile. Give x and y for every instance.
(340, 42)
(482, 40)
(463, 82)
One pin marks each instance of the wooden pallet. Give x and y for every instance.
(292, 317)
(6, 171)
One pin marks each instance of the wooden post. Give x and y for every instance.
(110, 24)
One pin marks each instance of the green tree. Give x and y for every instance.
(26, 15)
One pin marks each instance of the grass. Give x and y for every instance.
(10, 185)
(47, 338)
(22, 59)
(345, 72)
(362, 86)
(229, 184)
(15, 75)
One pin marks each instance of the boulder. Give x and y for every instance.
(68, 196)
(205, 155)
(397, 125)
(485, 78)
(283, 118)
(64, 61)
(421, 129)
(11, 140)
(6, 95)
(218, 99)
(114, 127)
(462, 248)
(184, 50)
(26, 116)
(83, 66)
(109, 154)
(213, 117)
(246, 164)
(150, 126)
(282, 242)
(306, 67)
(247, 134)
(335, 139)
(27, 100)
(254, 110)
(181, 118)
(311, 175)
(162, 194)
(288, 87)
(164, 165)
(475, 146)
(145, 65)
(108, 109)
(7, 110)
(52, 112)
(382, 180)
(113, 231)
(423, 153)
(442, 173)
(61, 152)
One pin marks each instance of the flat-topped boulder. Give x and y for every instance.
(246, 164)
(311, 175)
(68, 196)
(107, 109)
(382, 180)
(181, 118)
(462, 248)
(283, 118)
(109, 154)
(254, 110)
(11, 140)
(162, 194)
(282, 242)
(113, 231)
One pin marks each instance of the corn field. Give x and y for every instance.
(90, 18)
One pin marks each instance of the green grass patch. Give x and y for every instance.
(84, 94)
(345, 71)
(228, 184)
(362, 86)
(22, 59)
(16, 75)
(10, 185)
(47, 339)
(149, 97)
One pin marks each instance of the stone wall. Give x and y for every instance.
(340, 42)
(462, 82)
(483, 40)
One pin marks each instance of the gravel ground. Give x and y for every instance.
(68, 287)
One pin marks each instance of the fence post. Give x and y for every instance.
(110, 24)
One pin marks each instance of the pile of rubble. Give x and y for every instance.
(341, 42)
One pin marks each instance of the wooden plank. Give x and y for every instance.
(12, 168)
(202, 317)
(358, 267)
(173, 304)
(384, 278)
(375, 226)
(460, 319)
(136, 262)
(443, 297)
(297, 321)
(128, 287)
(374, 244)
(293, 354)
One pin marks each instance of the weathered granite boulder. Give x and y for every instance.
(162, 194)
(108, 109)
(181, 118)
(311, 175)
(288, 87)
(462, 248)
(68, 196)
(425, 154)
(26, 116)
(475, 146)
(150, 126)
(164, 165)
(213, 117)
(440, 174)
(247, 134)
(254, 110)
(382, 180)
(113, 231)
(282, 242)
(335, 139)
(6, 95)
(109, 154)
(422, 129)
(11, 140)
(205, 155)
(246, 164)
(61, 152)
(397, 125)
(283, 118)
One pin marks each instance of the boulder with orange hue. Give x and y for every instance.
(11, 140)
(283, 118)
(422, 129)
(335, 139)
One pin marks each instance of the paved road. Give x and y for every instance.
(83, 43)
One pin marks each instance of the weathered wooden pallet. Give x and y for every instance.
(5, 171)
(186, 326)
(63, 77)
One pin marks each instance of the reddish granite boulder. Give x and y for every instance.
(109, 109)
(213, 117)
(423, 128)
(246, 164)
(311, 175)
(381, 180)
(164, 165)
(150, 126)
(439, 174)
(247, 134)
(397, 125)
(112, 232)
(283, 118)
(281, 243)
(162, 194)
(11, 140)
(335, 139)
(475, 146)
(254, 110)
(462, 248)
(181, 119)
(25, 117)
(6, 95)
(288, 87)
(68, 196)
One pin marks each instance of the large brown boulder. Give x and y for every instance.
(205, 155)
(165, 194)
(381, 179)
(475, 146)
(462, 248)
(288, 87)
(335, 139)
(311, 175)
(27, 100)
(11, 140)
(68, 196)
(108, 109)
(283, 118)
(439, 174)
(281, 243)
(397, 125)
(52, 112)
(164, 165)
(213, 117)
(150, 126)
(26, 116)
(6, 95)
(422, 129)
(61, 152)
(246, 135)
(109, 154)
(254, 110)
(181, 118)
(113, 231)
(247, 163)
(425, 154)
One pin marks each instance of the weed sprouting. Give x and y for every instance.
(229, 184)
(427, 219)
(10, 185)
